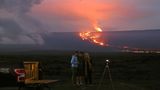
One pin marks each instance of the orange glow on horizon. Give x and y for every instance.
(86, 9)
(84, 13)
(88, 14)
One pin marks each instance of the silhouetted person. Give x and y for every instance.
(88, 69)
(74, 67)
(81, 64)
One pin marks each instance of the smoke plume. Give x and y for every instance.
(16, 25)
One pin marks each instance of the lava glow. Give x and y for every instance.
(98, 29)
(94, 37)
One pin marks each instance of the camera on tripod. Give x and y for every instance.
(107, 61)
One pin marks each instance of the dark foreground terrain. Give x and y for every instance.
(129, 71)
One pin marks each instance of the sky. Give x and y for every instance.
(24, 21)
(75, 15)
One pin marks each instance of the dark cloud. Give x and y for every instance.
(16, 27)
(10, 26)
(18, 6)
(12, 33)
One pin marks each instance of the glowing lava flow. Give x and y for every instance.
(94, 37)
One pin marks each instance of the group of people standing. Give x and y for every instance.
(81, 66)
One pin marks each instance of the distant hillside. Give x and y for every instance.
(71, 41)
(140, 39)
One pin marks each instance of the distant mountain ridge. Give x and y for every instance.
(149, 39)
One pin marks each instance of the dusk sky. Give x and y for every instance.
(73, 15)
(23, 21)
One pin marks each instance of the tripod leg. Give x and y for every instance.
(103, 75)
(110, 77)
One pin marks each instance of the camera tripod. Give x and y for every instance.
(103, 75)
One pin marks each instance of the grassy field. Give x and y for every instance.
(129, 71)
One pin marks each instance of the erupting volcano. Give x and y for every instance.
(94, 37)
(91, 13)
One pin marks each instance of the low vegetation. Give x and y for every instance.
(129, 71)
